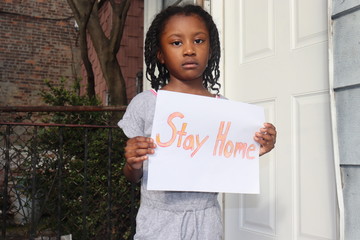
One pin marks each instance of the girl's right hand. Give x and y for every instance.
(137, 150)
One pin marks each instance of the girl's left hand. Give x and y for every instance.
(266, 137)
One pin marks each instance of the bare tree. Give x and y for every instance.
(87, 17)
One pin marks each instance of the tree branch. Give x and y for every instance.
(81, 9)
(96, 32)
(75, 10)
(119, 18)
(82, 13)
(106, 48)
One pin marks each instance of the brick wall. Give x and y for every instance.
(131, 52)
(37, 42)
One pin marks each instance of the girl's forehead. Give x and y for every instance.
(181, 20)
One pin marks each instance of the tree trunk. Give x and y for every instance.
(90, 89)
(114, 80)
(82, 11)
(86, 14)
(107, 49)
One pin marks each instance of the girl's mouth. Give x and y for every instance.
(189, 65)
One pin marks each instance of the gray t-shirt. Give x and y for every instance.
(138, 121)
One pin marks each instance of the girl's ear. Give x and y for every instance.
(160, 57)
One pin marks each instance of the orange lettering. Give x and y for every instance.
(221, 137)
(199, 144)
(239, 146)
(171, 124)
(250, 149)
(181, 133)
(189, 143)
(227, 151)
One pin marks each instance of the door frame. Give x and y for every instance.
(339, 193)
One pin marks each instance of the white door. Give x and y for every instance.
(276, 56)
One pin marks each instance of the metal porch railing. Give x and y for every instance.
(64, 179)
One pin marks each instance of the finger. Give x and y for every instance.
(268, 137)
(269, 125)
(258, 138)
(263, 136)
(138, 152)
(264, 140)
(136, 160)
(140, 145)
(139, 139)
(269, 130)
(139, 142)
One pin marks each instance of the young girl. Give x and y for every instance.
(182, 44)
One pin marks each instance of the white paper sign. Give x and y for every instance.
(204, 144)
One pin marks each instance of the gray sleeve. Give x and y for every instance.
(133, 120)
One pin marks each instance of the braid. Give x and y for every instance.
(151, 61)
(157, 72)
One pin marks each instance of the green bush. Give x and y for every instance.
(79, 179)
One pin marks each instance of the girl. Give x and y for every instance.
(182, 44)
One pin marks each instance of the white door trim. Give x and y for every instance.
(339, 193)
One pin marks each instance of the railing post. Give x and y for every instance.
(34, 160)
(60, 165)
(132, 210)
(109, 227)
(85, 197)
(6, 174)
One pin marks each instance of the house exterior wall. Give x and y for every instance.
(346, 54)
(37, 42)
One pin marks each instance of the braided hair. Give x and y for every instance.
(152, 46)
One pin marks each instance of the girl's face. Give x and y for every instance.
(184, 47)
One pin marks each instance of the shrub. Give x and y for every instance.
(80, 187)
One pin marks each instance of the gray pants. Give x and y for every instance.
(156, 221)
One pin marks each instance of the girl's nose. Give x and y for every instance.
(189, 50)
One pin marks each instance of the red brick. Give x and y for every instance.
(34, 48)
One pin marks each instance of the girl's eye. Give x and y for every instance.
(198, 41)
(176, 43)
